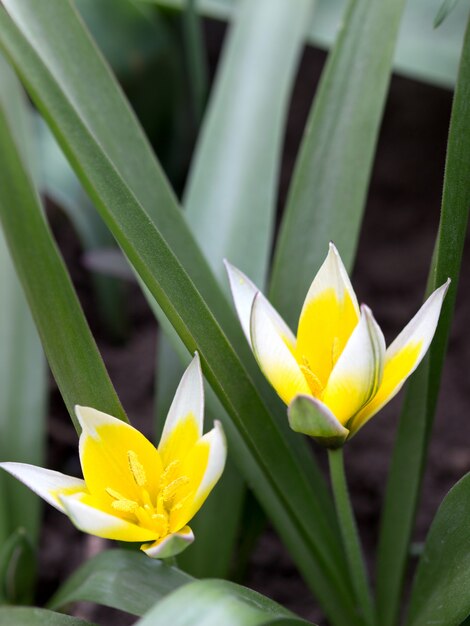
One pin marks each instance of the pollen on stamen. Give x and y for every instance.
(137, 469)
(170, 490)
(125, 506)
(335, 351)
(312, 380)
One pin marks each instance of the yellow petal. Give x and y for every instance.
(404, 355)
(358, 372)
(274, 354)
(329, 315)
(86, 515)
(183, 425)
(106, 447)
(203, 466)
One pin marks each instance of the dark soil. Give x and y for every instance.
(390, 275)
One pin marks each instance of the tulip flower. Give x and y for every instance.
(336, 374)
(132, 491)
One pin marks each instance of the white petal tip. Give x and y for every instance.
(170, 546)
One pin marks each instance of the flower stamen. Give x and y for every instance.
(137, 469)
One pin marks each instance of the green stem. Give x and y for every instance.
(350, 536)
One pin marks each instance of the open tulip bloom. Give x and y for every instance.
(131, 490)
(336, 374)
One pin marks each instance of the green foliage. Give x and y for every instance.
(211, 602)
(440, 591)
(37, 617)
(135, 201)
(409, 456)
(122, 579)
(330, 181)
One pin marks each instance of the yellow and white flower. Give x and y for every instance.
(336, 374)
(132, 491)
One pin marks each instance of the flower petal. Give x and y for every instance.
(311, 417)
(169, 546)
(404, 355)
(105, 444)
(244, 292)
(203, 466)
(358, 372)
(183, 425)
(93, 520)
(46, 483)
(329, 315)
(274, 354)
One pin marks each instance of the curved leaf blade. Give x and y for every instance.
(121, 579)
(31, 616)
(440, 591)
(214, 602)
(330, 181)
(416, 420)
(66, 338)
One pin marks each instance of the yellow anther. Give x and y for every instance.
(179, 505)
(335, 351)
(115, 494)
(169, 470)
(170, 490)
(125, 506)
(137, 469)
(313, 381)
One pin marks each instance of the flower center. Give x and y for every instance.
(316, 386)
(153, 508)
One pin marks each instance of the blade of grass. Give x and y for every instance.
(285, 491)
(66, 338)
(230, 201)
(330, 181)
(23, 383)
(409, 456)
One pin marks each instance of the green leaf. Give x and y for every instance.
(446, 7)
(59, 66)
(230, 204)
(330, 182)
(32, 616)
(215, 602)
(66, 338)
(122, 579)
(409, 456)
(230, 198)
(17, 569)
(23, 383)
(57, 179)
(440, 591)
(422, 53)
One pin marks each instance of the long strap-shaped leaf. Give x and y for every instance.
(418, 412)
(130, 582)
(230, 206)
(121, 579)
(329, 186)
(66, 338)
(283, 489)
(23, 381)
(440, 591)
(215, 602)
(31, 616)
